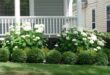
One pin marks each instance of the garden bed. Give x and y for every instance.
(51, 69)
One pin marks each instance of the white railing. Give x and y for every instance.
(53, 24)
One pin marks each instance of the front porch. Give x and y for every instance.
(54, 14)
(53, 24)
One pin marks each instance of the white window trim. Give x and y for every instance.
(31, 7)
(94, 8)
(107, 4)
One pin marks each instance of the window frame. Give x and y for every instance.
(93, 16)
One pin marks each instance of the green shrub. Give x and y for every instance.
(53, 57)
(101, 58)
(69, 58)
(4, 55)
(106, 37)
(18, 55)
(35, 56)
(107, 51)
(73, 38)
(87, 57)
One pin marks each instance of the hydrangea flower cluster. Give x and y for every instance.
(26, 36)
(74, 39)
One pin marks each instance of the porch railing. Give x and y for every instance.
(53, 24)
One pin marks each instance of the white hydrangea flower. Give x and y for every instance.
(98, 47)
(27, 35)
(67, 38)
(58, 35)
(7, 41)
(83, 34)
(16, 47)
(76, 44)
(37, 38)
(75, 32)
(36, 26)
(56, 45)
(17, 32)
(74, 40)
(93, 37)
(101, 43)
(27, 26)
(89, 38)
(2, 39)
(23, 36)
(84, 39)
(40, 30)
(33, 36)
(66, 31)
(91, 42)
(12, 29)
(95, 49)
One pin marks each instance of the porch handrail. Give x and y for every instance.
(53, 24)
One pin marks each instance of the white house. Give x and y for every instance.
(54, 14)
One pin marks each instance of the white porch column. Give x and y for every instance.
(79, 16)
(70, 8)
(17, 13)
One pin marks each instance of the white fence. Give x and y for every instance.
(53, 24)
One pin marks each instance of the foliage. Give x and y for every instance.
(25, 37)
(106, 37)
(35, 56)
(73, 38)
(53, 56)
(87, 57)
(4, 54)
(107, 51)
(101, 58)
(18, 55)
(69, 58)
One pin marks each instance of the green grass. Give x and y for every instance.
(51, 69)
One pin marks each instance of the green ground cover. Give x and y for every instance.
(52, 69)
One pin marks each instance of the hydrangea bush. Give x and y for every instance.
(25, 37)
(74, 40)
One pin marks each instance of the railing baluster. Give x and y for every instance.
(2, 26)
(53, 24)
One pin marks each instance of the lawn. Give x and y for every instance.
(51, 69)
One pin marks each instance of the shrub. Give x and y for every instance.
(107, 51)
(87, 57)
(73, 38)
(26, 37)
(106, 37)
(69, 58)
(101, 58)
(35, 56)
(53, 57)
(18, 55)
(4, 55)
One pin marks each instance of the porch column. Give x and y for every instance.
(17, 13)
(79, 16)
(70, 8)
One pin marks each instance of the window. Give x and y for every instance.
(93, 19)
(7, 7)
(108, 18)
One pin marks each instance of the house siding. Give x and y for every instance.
(100, 7)
(49, 7)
